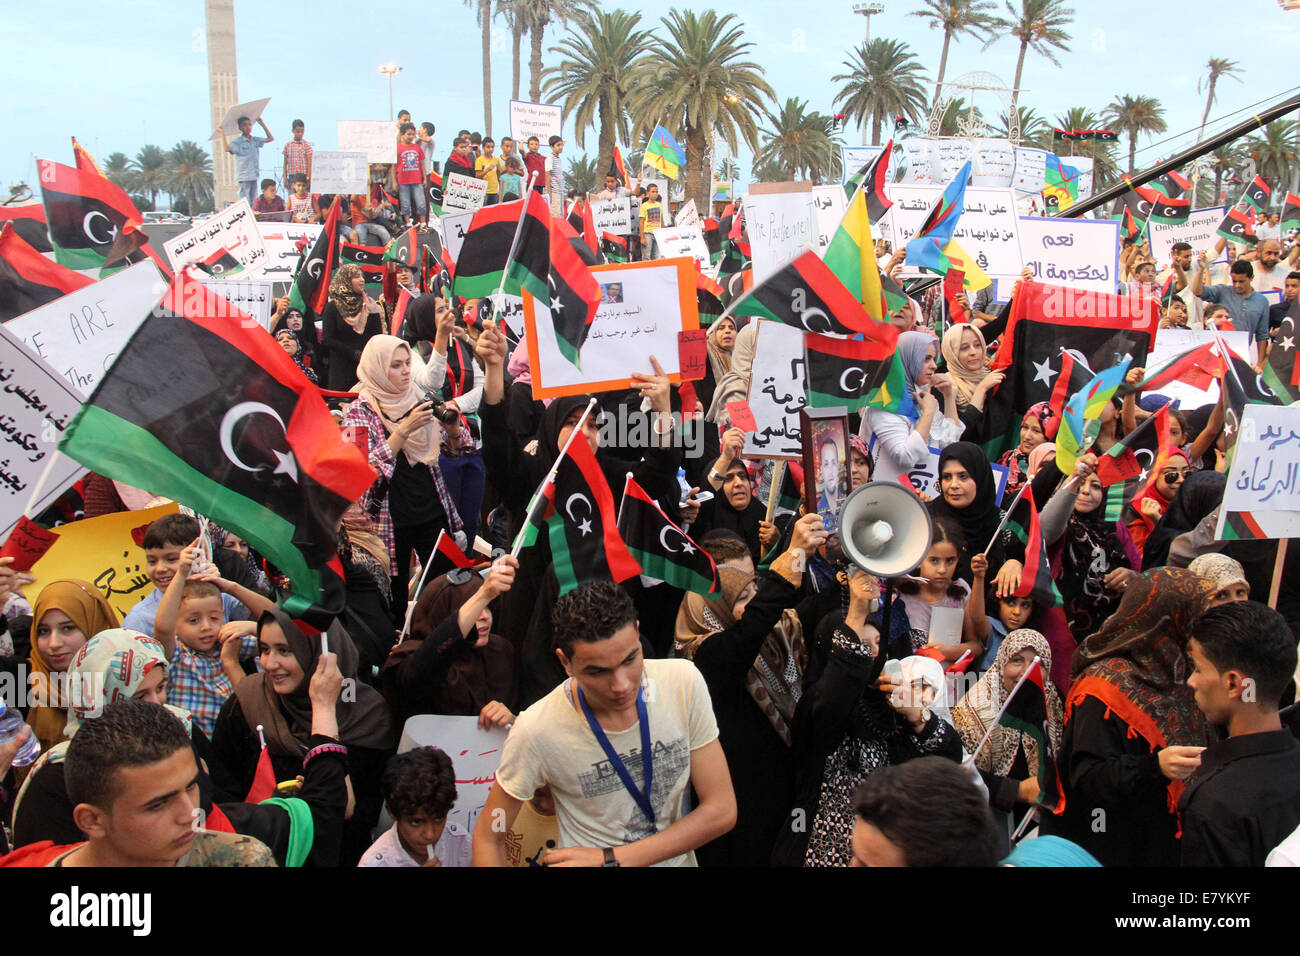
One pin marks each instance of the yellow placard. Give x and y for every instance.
(104, 552)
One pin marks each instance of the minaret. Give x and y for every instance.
(223, 90)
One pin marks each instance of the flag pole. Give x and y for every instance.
(40, 483)
(550, 475)
(419, 586)
(514, 243)
(1005, 704)
(1023, 828)
(618, 519)
(1006, 517)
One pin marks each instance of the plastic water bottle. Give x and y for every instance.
(683, 484)
(11, 725)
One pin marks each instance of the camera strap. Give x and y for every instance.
(647, 764)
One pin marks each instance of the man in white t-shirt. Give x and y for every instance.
(588, 740)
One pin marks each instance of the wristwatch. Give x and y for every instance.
(715, 476)
(609, 857)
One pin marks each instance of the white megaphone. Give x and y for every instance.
(884, 529)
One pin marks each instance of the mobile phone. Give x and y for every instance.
(287, 788)
(703, 496)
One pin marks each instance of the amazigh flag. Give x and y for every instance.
(1173, 184)
(1026, 711)
(1060, 183)
(663, 550)
(851, 256)
(1290, 213)
(856, 373)
(572, 297)
(1162, 209)
(870, 179)
(926, 250)
(311, 284)
(29, 222)
(663, 153)
(1100, 328)
(1239, 226)
(1081, 422)
(29, 280)
(613, 247)
(245, 440)
(805, 294)
(1257, 193)
(1137, 452)
(616, 167)
(93, 224)
(482, 264)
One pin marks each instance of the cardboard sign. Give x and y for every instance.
(463, 192)
(855, 157)
(256, 297)
(613, 216)
(688, 215)
(339, 173)
(253, 109)
(454, 226)
(36, 405)
(282, 241)
(376, 138)
(741, 415)
(681, 241)
(1031, 170)
(542, 120)
(989, 227)
(1082, 253)
(830, 204)
(26, 543)
(654, 302)
(79, 335)
(777, 391)
(1262, 495)
(1200, 231)
(233, 231)
(782, 223)
(693, 353)
(475, 755)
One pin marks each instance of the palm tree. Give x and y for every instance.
(884, 81)
(1104, 168)
(728, 169)
(1227, 160)
(1040, 25)
(537, 15)
(770, 171)
(955, 17)
(1135, 115)
(1034, 130)
(147, 172)
(117, 169)
(799, 141)
(581, 174)
(593, 76)
(1218, 67)
(483, 17)
(1274, 153)
(188, 177)
(516, 22)
(696, 84)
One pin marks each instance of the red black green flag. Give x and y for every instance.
(445, 556)
(1026, 712)
(221, 264)
(613, 247)
(311, 285)
(1258, 193)
(210, 411)
(616, 167)
(370, 260)
(871, 178)
(1158, 207)
(663, 550)
(1239, 226)
(572, 298)
(855, 373)
(1173, 184)
(805, 294)
(1290, 213)
(583, 224)
(482, 260)
(29, 222)
(1137, 452)
(1036, 577)
(29, 280)
(1283, 372)
(92, 223)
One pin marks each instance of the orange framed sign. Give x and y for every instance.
(644, 306)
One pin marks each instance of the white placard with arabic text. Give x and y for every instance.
(1080, 253)
(464, 192)
(232, 230)
(777, 389)
(475, 755)
(989, 229)
(1264, 476)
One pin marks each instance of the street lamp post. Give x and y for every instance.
(390, 70)
(867, 10)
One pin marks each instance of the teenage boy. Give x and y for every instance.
(297, 156)
(410, 179)
(555, 179)
(1245, 799)
(617, 743)
(245, 150)
(134, 783)
(488, 168)
(425, 136)
(164, 540)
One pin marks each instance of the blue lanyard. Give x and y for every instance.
(647, 764)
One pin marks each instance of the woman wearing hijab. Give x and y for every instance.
(1009, 761)
(278, 699)
(1225, 575)
(903, 441)
(967, 492)
(286, 317)
(721, 342)
(1039, 426)
(289, 342)
(734, 382)
(965, 355)
(350, 320)
(1197, 496)
(409, 501)
(453, 662)
(1149, 505)
(747, 641)
(1133, 732)
(734, 507)
(67, 614)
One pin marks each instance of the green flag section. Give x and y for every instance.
(851, 256)
(1026, 712)
(663, 550)
(1036, 577)
(481, 264)
(205, 408)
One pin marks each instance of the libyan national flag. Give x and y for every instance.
(482, 262)
(1036, 577)
(1026, 712)
(29, 280)
(663, 550)
(205, 408)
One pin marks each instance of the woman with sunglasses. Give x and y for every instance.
(1149, 505)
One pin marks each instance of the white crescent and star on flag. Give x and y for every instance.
(585, 524)
(287, 465)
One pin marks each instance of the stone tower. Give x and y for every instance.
(223, 90)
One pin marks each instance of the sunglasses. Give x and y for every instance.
(1172, 476)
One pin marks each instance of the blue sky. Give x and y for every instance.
(120, 74)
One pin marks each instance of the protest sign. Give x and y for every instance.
(376, 138)
(1262, 496)
(645, 306)
(916, 161)
(25, 544)
(777, 390)
(855, 157)
(682, 241)
(1082, 253)
(988, 229)
(474, 755)
(284, 243)
(253, 109)
(535, 119)
(463, 192)
(692, 354)
(1084, 165)
(722, 191)
(454, 226)
(340, 173)
(1200, 231)
(993, 163)
(688, 215)
(35, 407)
(226, 244)
(613, 216)
(79, 335)
(741, 415)
(256, 297)
(104, 552)
(1031, 170)
(1171, 342)
(830, 205)
(782, 223)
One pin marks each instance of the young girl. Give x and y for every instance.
(1039, 425)
(1149, 506)
(938, 586)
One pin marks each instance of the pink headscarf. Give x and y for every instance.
(1039, 455)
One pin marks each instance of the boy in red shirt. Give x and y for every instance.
(410, 177)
